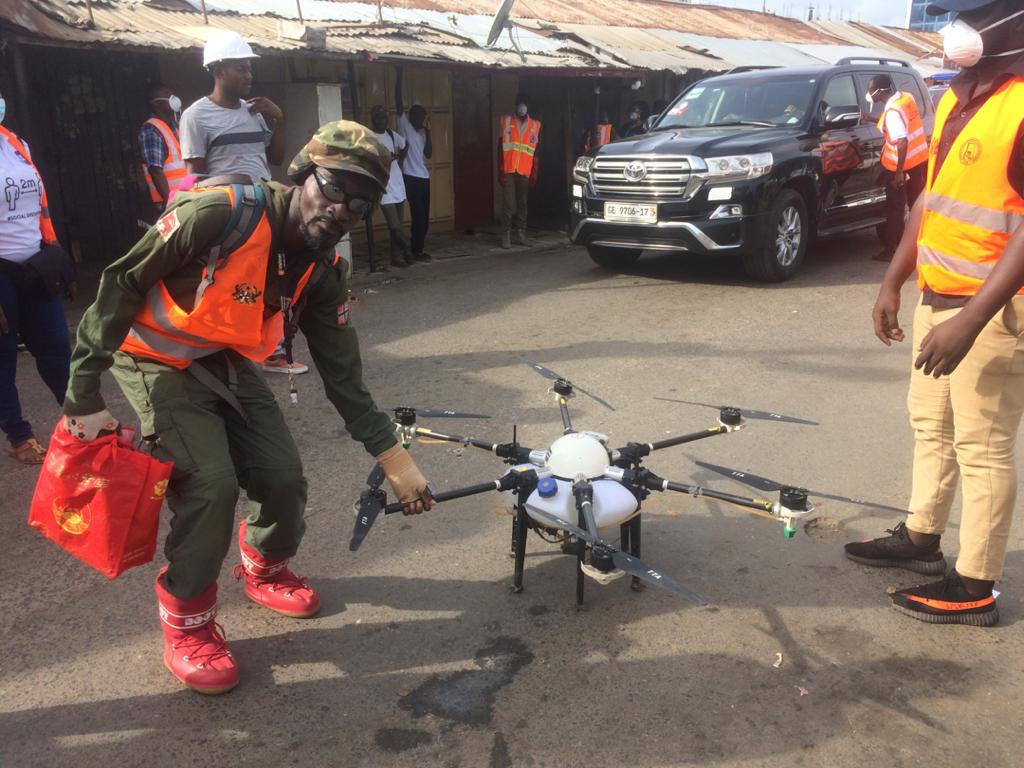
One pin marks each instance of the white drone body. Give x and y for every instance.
(571, 456)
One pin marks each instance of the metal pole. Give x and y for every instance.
(202, 4)
(298, 7)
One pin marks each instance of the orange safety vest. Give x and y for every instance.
(174, 164)
(45, 224)
(603, 134)
(917, 147)
(228, 312)
(518, 149)
(970, 208)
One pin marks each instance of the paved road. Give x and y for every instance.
(422, 656)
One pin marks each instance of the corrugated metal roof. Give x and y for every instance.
(640, 48)
(745, 53)
(713, 20)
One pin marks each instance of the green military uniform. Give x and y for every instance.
(214, 450)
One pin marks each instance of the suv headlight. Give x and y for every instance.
(583, 164)
(739, 166)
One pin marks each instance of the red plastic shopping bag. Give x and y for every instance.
(100, 500)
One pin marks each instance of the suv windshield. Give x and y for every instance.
(766, 101)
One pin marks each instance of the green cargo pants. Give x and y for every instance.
(214, 453)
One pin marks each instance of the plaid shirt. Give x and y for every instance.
(152, 145)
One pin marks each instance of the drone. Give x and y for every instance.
(571, 490)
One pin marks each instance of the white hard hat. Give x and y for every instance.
(224, 45)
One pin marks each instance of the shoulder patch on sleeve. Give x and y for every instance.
(168, 224)
(343, 313)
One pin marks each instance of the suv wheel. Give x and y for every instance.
(614, 258)
(784, 240)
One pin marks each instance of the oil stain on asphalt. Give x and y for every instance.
(468, 696)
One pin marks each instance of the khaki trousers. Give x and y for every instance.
(515, 190)
(965, 426)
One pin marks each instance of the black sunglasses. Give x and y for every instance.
(359, 206)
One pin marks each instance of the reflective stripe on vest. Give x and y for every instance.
(229, 313)
(917, 147)
(970, 209)
(46, 232)
(604, 133)
(518, 149)
(174, 165)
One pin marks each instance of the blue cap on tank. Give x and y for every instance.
(547, 487)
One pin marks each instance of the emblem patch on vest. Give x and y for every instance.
(167, 225)
(343, 311)
(971, 152)
(246, 294)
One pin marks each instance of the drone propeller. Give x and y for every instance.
(550, 375)
(376, 477)
(750, 414)
(767, 485)
(627, 563)
(438, 413)
(371, 502)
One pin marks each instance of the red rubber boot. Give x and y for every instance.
(271, 584)
(195, 650)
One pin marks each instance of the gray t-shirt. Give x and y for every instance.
(231, 140)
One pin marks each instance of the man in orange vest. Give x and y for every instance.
(904, 156)
(517, 149)
(162, 163)
(967, 386)
(182, 319)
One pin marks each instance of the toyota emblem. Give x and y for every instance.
(635, 170)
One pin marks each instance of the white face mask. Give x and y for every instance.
(634, 115)
(521, 110)
(964, 45)
(172, 101)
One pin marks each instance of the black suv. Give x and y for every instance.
(754, 163)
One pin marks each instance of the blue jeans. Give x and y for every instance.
(40, 324)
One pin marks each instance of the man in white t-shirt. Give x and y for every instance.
(229, 133)
(393, 202)
(415, 129)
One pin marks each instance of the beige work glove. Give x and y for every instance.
(406, 480)
(88, 427)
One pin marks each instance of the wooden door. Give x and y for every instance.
(474, 150)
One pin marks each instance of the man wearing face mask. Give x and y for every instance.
(261, 258)
(634, 124)
(517, 160)
(162, 163)
(904, 156)
(967, 385)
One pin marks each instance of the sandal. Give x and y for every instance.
(28, 452)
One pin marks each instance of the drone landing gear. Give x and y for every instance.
(629, 534)
(520, 530)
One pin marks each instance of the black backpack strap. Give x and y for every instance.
(249, 203)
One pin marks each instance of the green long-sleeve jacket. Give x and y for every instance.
(177, 257)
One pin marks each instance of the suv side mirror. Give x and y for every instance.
(649, 121)
(842, 117)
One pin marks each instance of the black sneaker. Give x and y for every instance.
(897, 551)
(947, 602)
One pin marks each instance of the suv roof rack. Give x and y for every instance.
(751, 68)
(872, 60)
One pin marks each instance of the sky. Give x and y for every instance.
(890, 12)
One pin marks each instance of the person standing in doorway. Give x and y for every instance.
(162, 163)
(904, 157)
(393, 202)
(415, 129)
(227, 133)
(28, 310)
(517, 150)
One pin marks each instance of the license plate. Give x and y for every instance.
(631, 212)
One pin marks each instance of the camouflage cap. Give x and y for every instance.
(343, 145)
